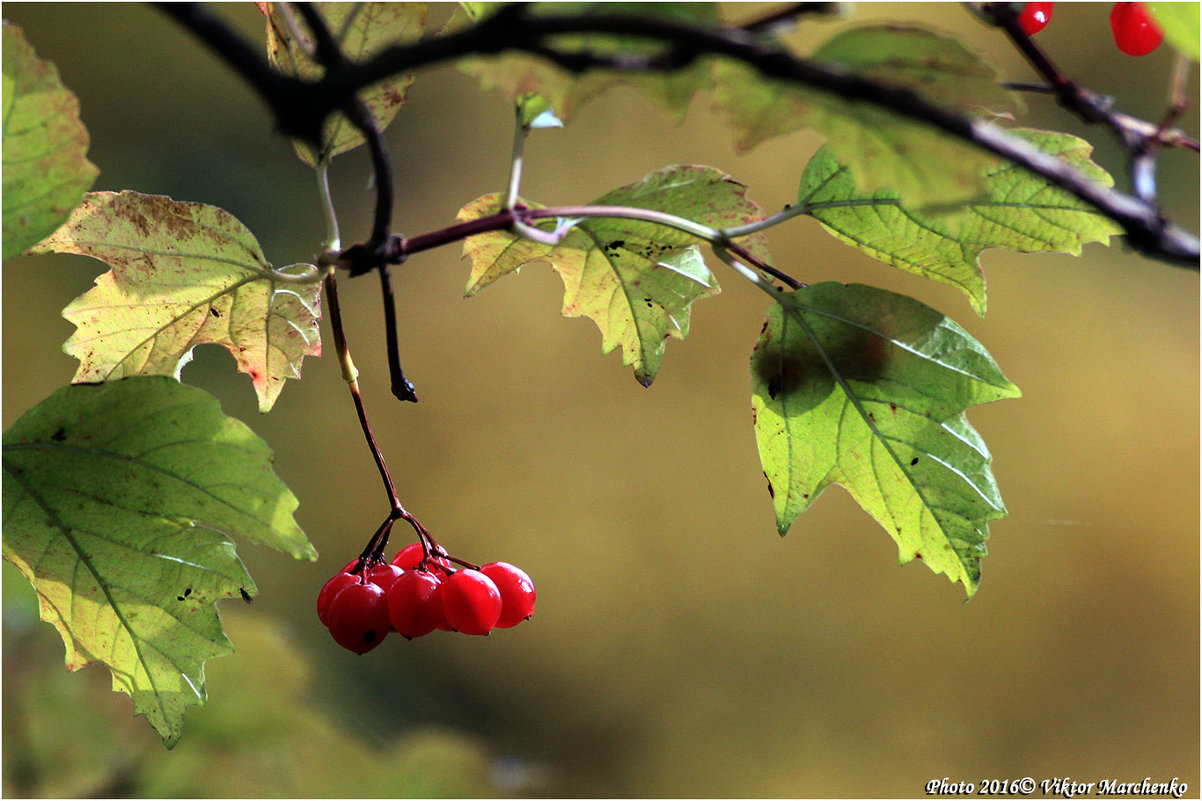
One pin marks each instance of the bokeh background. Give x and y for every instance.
(680, 648)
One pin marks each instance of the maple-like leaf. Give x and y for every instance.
(46, 170)
(1019, 211)
(882, 148)
(183, 274)
(635, 279)
(361, 30)
(857, 386)
(119, 501)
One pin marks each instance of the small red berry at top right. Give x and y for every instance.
(1034, 17)
(1135, 32)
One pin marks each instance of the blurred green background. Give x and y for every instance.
(680, 647)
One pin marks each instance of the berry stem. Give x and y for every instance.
(379, 540)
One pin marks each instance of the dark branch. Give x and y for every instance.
(1147, 231)
(512, 29)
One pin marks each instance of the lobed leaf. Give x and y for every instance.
(119, 500)
(866, 388)
(636, 280)
(883, 149)
(361, 30)
(518, 75)
(1019, 211)
(184, 274)
(46, 170)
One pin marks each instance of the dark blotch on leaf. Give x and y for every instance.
(914, 461)
(782, 373)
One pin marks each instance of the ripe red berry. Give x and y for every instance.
(411, 555)
(517, 592)
(358, 617)
(471, 602)
(383, 576)
(1135, 32)
(329, 590)
(1034, 17)
(408, 557)
(415, 603)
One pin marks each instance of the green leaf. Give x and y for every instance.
(636, 280)
(361, 30)
(46, 170)
(184, 274)
(866, 388)
(518, 74)
(883, 149)
(1180, 23)
(118, 499)
(1019, 211)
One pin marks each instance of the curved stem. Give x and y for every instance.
(521, 131)
(333, 240)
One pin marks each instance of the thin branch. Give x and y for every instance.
(512, 29)
(1147, 231)
(1093, 108)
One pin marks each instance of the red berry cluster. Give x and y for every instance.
(1134, 30)
(415, 594)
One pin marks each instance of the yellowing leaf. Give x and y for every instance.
(861, 387)
(882, 148)
(635, 279)
(1019, 211)
(118, 499)
(46, 170)
(184, 274)
(361, 30)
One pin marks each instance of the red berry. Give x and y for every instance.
(408, 557)
(517, 592)
(471, 602)
(328, 591)
(411, 555)
(415, 603)
(1135, 32)
(358, 617)
(383, 576)
(1034, 17)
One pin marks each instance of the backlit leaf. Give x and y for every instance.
(46, 170)
(1180, 23)
(883, 149)
(861, 387)
(636, 280)
(184, 274)
(1019, 211)
(361, 30)
(119, 501)
(518, 74)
